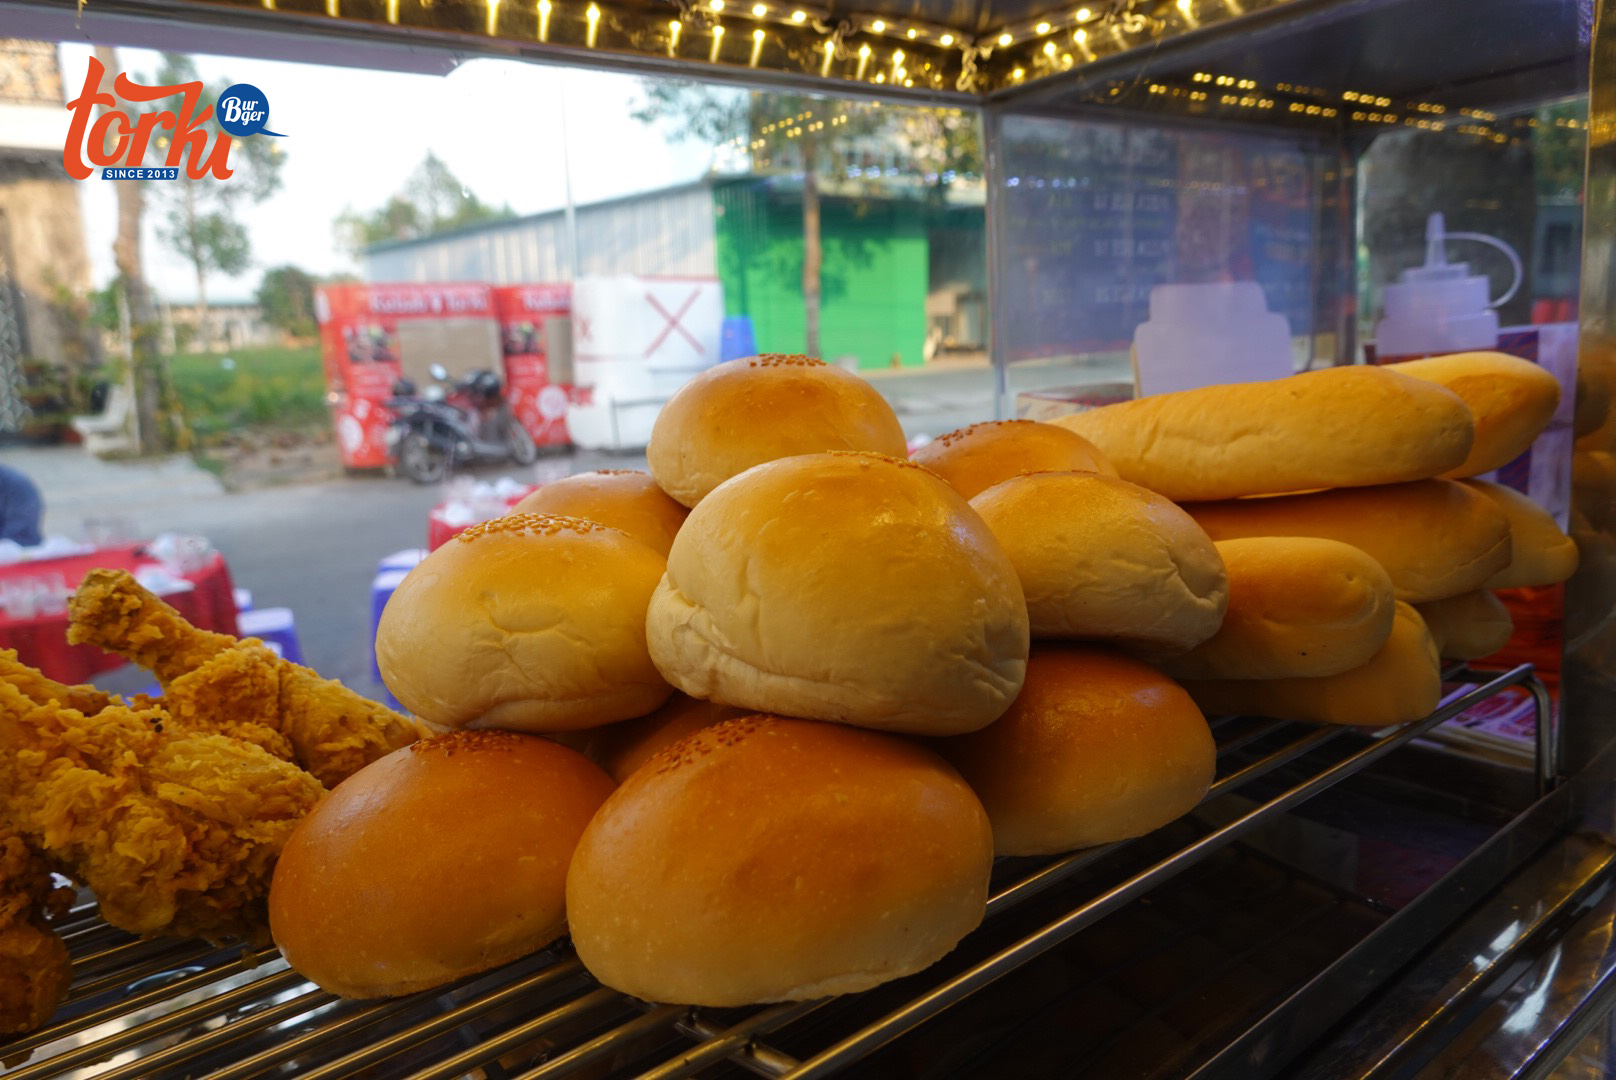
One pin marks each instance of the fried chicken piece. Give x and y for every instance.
(215, 682)
(176, 832)
(35, 970)
(41, 688)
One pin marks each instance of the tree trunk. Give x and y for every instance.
(146, 371)
(203, 336)
(812, 254)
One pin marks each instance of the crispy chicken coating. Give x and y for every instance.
(35, 970)
(214, 682)
(176, 832)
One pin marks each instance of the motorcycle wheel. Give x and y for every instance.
(422, 460)
(520, 444)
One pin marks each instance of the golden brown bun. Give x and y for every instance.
(1339, 427)
(1512, 400)
(1299, 607)
(778, 860)
(625, 499)
(526, 622)
(975, 458)
(1402, 683)
(622, 748)
(1098, 747)
(1436, 538)
(1468, 626)
(1101, 558)
(1540, 554)
(442, 859)
(849, 587)
(746, 412)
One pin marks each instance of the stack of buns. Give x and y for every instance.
(829, 682)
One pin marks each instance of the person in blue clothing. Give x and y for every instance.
(20, 508)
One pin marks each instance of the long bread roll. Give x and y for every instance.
(1540, 554)
(1512, 400)
(1468, 626)
(1436, 538)
(1339, 427)
(1403, 682)
(1298, 607)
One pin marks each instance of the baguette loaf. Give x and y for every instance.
(1402, 683)
(1468, 626)
(1540, 553)
(1436, 538)
(1512, 400)
(1299, 607)
(1339, 427)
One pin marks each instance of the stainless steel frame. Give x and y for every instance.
(165, 1008)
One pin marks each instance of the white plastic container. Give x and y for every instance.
(1441, 307)
(1203, 335)
(635, 341)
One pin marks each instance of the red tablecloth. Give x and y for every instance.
(41, 641)
(438, 529)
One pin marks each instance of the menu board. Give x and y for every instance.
(1097, 214)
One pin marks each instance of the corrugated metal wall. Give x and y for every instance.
(660, 233)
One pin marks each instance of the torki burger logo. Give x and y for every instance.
(118, 141)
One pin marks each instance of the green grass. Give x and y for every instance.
(268, 389)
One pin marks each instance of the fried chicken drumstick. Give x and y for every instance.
(176, 832)
(35, 970)
(214, 682)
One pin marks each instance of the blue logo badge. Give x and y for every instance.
(243, 110)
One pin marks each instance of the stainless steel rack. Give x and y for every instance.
(151, 1009)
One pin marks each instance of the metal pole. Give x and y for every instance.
(566, 177)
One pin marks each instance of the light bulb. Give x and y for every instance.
(1043, 28)
(878, 26)
(946, 40)
(799, 16)
(1005, 39)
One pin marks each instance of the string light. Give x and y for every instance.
(799, 16)
(1049, 48)
(946, 40)
(674, 26)
(1042, 28)
(1187, 7)
(492, 24)
(718, 40)
(1017, 74)
(592, 13)
(760, 10)
(830, 54)
(757, 47)
(912, 34)
(1005, 39)
(544, 20)
(333, 9)
(878, 26)
(716, 5)
(1084, 14)
(864, 58)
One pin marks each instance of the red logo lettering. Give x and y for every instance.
(129, 140)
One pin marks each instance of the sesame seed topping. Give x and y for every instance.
(954, 436)
(782, 360)
(536, 524)
(466, 740)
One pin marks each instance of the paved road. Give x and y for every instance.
(312, 547)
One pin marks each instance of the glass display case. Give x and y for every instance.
(1429, 900)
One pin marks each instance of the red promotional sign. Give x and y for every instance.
(538, 402)
(359, 345)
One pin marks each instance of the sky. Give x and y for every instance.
(354, 136)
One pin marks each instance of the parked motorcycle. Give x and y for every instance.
(468, 422)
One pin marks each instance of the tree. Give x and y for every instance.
(200, 220)
(432, 200)
(818, 137)
(286, 296)
(134, 309)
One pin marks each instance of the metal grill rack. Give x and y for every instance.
(151, 1009)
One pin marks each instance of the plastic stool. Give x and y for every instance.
(401, 560)
(381, 590)
(275, 627)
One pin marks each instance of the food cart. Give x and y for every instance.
(1345, 903)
